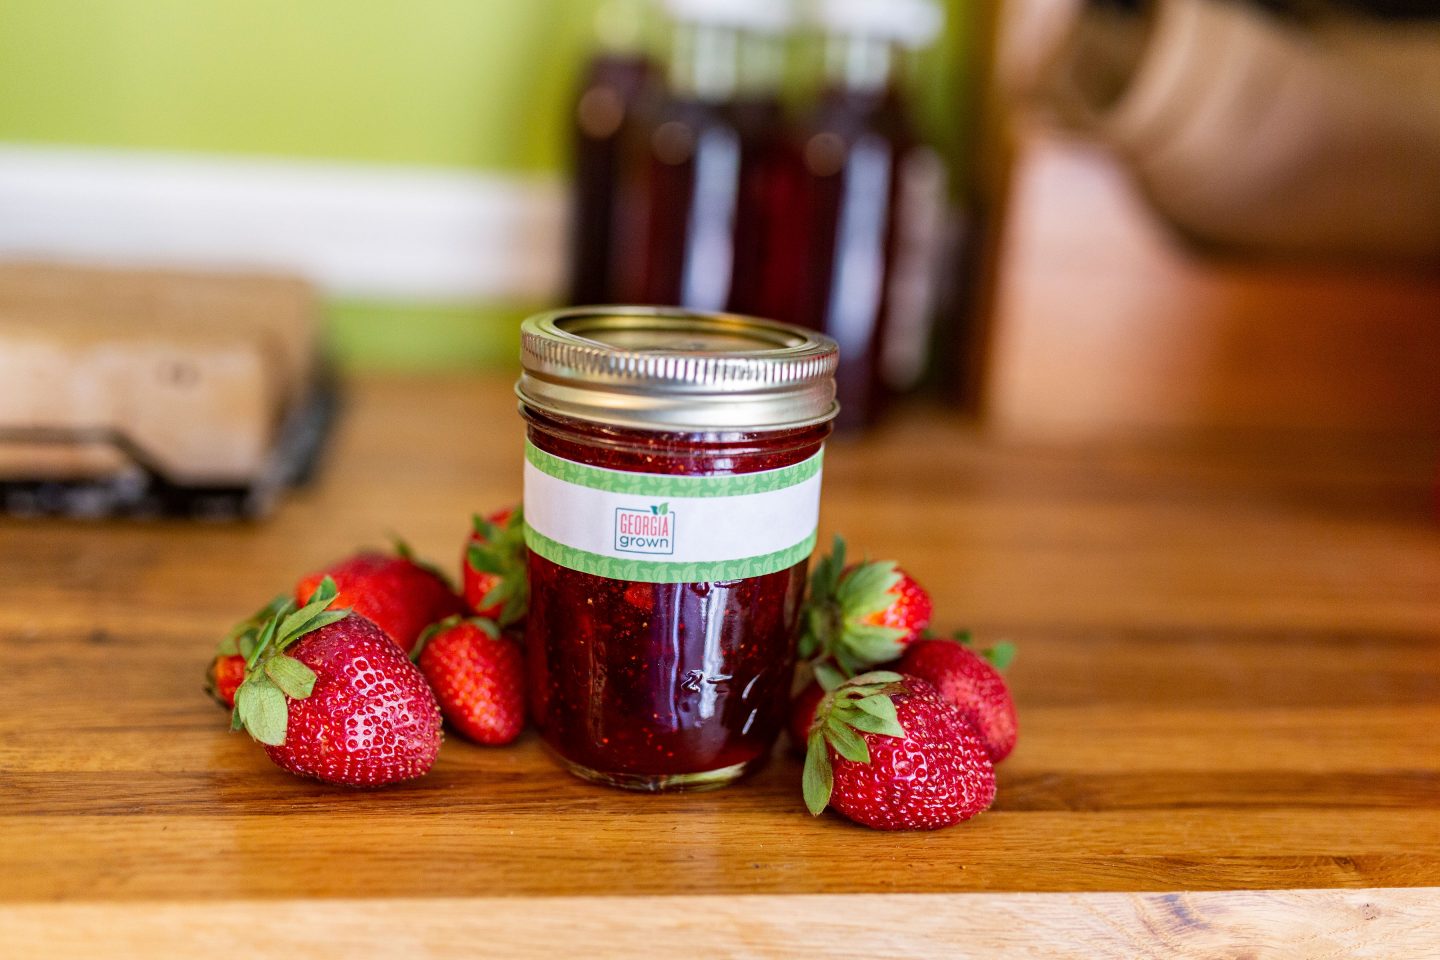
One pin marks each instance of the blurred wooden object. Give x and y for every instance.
(1262, 134)
(1228, 685)
(108, 376)
(1103, 323)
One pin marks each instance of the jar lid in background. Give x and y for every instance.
(660, 368)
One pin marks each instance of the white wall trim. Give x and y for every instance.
(357, 230)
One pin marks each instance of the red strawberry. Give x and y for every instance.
(478, 676)
(802, 712)
(889, 753)
(400, 594)
(863, 614)
(909, 608)
(331, 697)
(493, 567)
(226, 673)
(227, 670)
(971, 682)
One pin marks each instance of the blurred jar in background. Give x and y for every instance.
(856, 213)
(614, 80)
(759, 114)
(689, 151)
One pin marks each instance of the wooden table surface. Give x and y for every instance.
(1228, 685)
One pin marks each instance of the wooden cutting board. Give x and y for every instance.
(190, 374)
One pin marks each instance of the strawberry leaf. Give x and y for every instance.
(498, 593)
(501, 553)
(846, 741)
(310, 617)
(483, 528)
(826, 577)
(516, 606)
(867, 589)
(872, 643)
(264, 639)
(1001, 655)
(485, 560)
(880, 706)
(812, 638)
(261, 708)
(869, 723)
(880, 709)
(827, 676)
(268, 669)
(818, 780)
(876, 677)
(325, 591)
(294, 627)
(241, 637)
(294, 678)
(848, 662)
(840, 604)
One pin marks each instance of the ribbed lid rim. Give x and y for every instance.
(786, 379)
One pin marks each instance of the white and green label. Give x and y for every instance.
(667, 528)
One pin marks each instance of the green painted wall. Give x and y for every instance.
(473, 84)
(460, 83)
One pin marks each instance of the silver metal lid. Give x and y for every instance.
(662, 368)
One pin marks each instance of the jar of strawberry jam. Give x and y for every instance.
(672, 488)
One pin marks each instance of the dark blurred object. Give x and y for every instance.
(694, 188)
(691, 153)
(614, 80)
(149, 393)
(761, 122)
(1310, 133)
(1381, 9)
(860, 213)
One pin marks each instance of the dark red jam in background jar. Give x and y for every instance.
(672, 487)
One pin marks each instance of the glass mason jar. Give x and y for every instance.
(672, 489)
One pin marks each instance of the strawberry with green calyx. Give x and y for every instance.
(863, 614)
(478, 676)
(494, 567)
(888, 752)
(969, 678)
(227, 670)
(400, 594)
(331, 696)
(271, 674)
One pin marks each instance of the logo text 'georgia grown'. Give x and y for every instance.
(645, 529)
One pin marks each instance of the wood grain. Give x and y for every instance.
(1229, 680)
(1262, 925)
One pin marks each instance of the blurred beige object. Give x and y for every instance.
(277, 314)
(1245, 131)
(1104, 327)
(121, 376)
(198, 410)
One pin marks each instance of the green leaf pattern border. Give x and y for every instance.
(669, 485)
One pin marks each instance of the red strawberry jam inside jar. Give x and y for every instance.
(672, 489)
